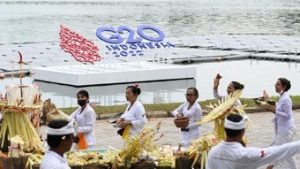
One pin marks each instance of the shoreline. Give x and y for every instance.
(159, 110)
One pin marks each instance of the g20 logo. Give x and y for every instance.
(117, 39)
(132, 45)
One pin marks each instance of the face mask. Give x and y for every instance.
(81, 102)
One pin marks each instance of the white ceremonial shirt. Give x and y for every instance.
(86, 121)
(137, 116)
(232, 155)
(194, 114)
(284, 119)
(52, 160)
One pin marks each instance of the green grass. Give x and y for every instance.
(169, 107)
(296, 100)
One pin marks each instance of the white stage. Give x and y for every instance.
(113, 73)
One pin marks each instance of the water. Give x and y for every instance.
(255, 75)
(38, 21)
(34, 21)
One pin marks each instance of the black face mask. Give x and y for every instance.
(81, 102)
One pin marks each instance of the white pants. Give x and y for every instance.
(188, 137)
(282, 138)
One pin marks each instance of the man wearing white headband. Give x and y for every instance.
(60, 137)
(232, 154)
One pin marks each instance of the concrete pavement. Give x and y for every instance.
(259, 133)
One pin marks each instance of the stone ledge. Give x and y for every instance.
(159, 114)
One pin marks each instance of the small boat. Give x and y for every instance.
(14, 73)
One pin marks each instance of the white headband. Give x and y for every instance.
(236, 125)
(68, 129)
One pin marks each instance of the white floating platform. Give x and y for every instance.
(47, 54)
(115, 73)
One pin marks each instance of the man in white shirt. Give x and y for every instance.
(231, 154)
(60, 137)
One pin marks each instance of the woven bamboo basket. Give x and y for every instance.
(14, 163)
(181, 122)
(144, 165)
